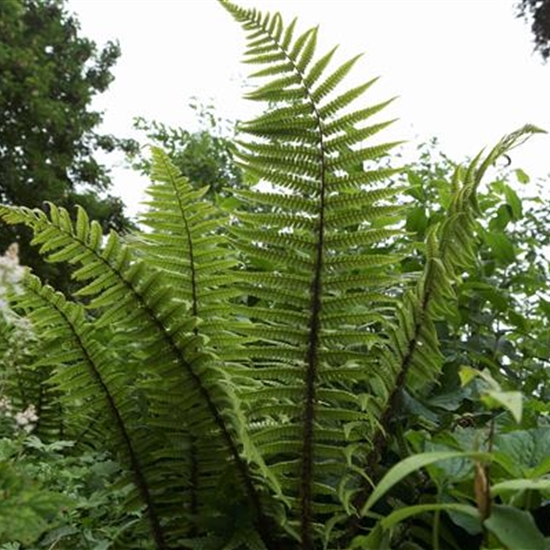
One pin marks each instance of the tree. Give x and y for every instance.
(204, 156)
(48, 138)
(537, 12)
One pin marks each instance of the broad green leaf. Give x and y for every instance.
(408, 511)
(520, 485)
(472, 525)
(502, 219)
(514, 202)
(416, 220)
(411, 464)
(448, 401)
(542, 469)
(456, 469)
(416, 188)
(525, 450)
(467, 374)
(521, 176)
(501, 246)
(510, 400)
(515, 529)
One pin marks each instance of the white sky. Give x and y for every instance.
(463, 69)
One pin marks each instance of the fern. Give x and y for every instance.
(302, 253)
(187, 245)
(90, 378)
(413, 353)
(168, 362)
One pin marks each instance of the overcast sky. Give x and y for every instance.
(464, 70)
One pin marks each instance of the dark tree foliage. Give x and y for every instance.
(537, 12)
(48, 139)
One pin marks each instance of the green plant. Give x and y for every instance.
(49, 129)
(248, 372)
(202, 156)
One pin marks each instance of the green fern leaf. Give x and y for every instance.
(301, 247)
(84, 372)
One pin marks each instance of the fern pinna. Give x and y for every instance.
(246, 369)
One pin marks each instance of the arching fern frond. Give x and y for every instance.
(84, 372)
(135, 300)
(187, 243)
(414, 353)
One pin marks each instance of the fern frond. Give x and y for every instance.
(414, 356)
(135, 299)
(187, 228)
(450, 251)
(315, 227)
(85, 372)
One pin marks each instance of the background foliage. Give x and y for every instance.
(48, 130)
(203, 156)
(537, 13)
